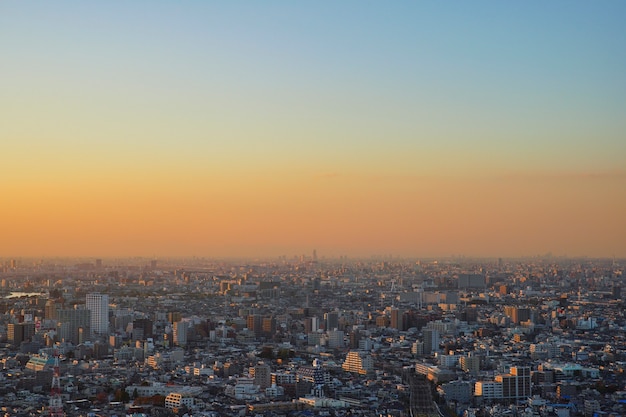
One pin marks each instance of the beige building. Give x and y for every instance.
(358, 362)
(176, 400)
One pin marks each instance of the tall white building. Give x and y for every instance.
(98, 304)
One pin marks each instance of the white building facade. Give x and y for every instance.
(98, 305)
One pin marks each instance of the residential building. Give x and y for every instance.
(358, 362)
(98, 305)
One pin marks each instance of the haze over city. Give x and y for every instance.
(275, 128)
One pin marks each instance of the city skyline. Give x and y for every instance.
(260, 130)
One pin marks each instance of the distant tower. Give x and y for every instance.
(393, 292)
(314, 255)
(55, 405)
(98, 305)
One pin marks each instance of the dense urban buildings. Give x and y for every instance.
(537, 336)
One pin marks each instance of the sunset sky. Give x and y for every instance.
(154, 128)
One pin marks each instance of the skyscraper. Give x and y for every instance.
(397, 319)
(332, 320)
(431, 340)
(98, 305)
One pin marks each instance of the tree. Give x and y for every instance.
(122, 396)
(267, 353)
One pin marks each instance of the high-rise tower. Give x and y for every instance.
(98, 305)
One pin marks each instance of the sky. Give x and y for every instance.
(356, 128)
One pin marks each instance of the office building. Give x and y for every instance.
(142, 329)
(397, 319)
(488, 390)
(331, 320)
(432, 339)
(174, 316)
(511, 387)
(180, 333)
(459, 391)
(268, 326)
(336, 339)
(516, 385)
(517, 314)
(254, 322)
(20, 332)
(311, 324)
(262, 374)
(73, 325)
(477, 281)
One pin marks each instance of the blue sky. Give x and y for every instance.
(149, 91)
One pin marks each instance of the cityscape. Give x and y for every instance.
(311, 336)
(312, 209)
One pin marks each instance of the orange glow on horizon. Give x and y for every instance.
(337, 214)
